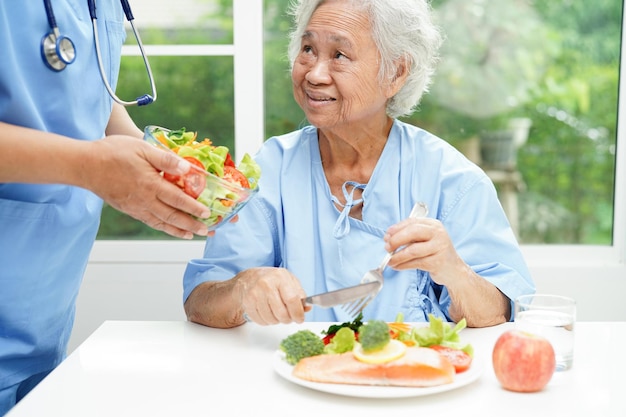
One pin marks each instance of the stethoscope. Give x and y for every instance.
(58, 51)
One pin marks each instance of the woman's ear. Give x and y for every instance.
(397, 81)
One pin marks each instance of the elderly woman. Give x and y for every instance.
(335, 196)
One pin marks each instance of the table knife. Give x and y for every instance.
(341, 296)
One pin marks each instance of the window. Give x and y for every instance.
(542, 74)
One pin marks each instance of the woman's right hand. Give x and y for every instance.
(270, 296)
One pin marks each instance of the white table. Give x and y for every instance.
(183, 369)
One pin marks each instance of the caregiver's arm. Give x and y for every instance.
(121, 169)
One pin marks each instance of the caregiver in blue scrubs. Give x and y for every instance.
(65, 146)
(335, 196)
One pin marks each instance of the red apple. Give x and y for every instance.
(523, 362)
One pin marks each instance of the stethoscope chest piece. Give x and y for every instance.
(57, 51)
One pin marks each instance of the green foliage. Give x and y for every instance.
(282, 114)
(301, 344)
(570, 178)
(568, 163)
(374, 335)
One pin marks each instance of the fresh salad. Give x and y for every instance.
(376, 345)
(235, 182)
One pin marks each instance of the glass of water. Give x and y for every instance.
(550, 316)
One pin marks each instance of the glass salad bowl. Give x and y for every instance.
(213, 179)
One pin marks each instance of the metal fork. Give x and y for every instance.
(376, 275)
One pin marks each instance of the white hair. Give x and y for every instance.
(403, 31)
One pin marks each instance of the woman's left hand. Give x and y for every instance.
(424, 244)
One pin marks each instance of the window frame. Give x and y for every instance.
(247, 50)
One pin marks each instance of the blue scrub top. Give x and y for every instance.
(47, 231)
(292, 223)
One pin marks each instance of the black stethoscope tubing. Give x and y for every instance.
(58, 51)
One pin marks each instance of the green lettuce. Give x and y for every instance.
(441, 333)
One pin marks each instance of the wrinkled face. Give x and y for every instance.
(335, 75)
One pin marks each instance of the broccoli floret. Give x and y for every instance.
(374, 335)
(301, 344)
(343, 341)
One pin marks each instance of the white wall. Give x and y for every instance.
(152, 290)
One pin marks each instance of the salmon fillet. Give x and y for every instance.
(418, 367)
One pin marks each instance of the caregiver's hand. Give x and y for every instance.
(126, 175)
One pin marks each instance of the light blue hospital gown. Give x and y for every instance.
(47, 231)
(292, 223)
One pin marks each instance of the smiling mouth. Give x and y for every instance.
(320, 99)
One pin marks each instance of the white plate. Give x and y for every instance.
(369, 391)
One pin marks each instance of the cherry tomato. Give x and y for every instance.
(459, 359)
(193, 182)
(229, 161)
(232, 174)
(175, 179)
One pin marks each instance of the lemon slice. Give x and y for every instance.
(394, 350)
